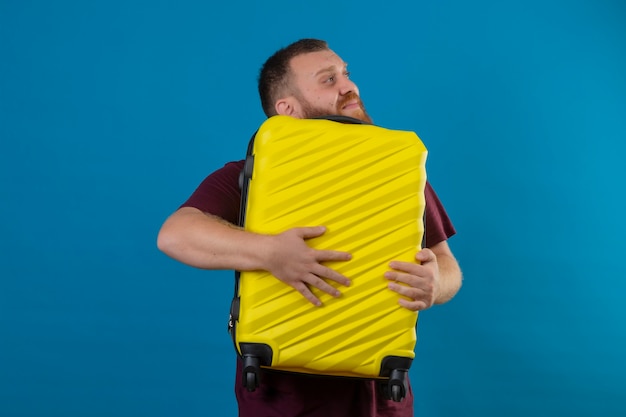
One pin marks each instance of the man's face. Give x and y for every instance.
(323, 87)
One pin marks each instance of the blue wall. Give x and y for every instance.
(112, 112)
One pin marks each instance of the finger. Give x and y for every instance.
(413, 305)
(306, 293)
(329, 273)
(423, 286)
(406, 291)
(408, 267)
(411, 279)
(320, 284)
(415, 299)
(332, 255)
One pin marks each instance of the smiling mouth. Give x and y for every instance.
(351, 105)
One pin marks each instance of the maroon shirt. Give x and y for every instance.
(289, 395)
(219, 194)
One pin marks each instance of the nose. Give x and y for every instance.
(347, 86)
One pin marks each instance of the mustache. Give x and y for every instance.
(351, 96)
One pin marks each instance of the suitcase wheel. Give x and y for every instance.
(254, 356)
(397, 385)
(251, 367)
(251, 381)
(397, 393)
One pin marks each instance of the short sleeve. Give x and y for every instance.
(219, 193)
(437, 224)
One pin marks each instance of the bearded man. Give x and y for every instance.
(305, 79)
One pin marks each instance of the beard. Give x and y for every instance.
(310, 111)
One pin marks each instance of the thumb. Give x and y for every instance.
(425, 256)
(310, 232)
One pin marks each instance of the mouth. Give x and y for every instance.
(352, 104)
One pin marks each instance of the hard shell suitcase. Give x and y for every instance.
(365, 184)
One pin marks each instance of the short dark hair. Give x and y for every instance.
(275, 76)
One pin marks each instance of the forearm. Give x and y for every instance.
(203, 241)
(450, 278)
(197, 239)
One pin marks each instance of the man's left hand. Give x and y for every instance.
(421, 281)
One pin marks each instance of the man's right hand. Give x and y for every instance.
(295, 263)
(208, 242)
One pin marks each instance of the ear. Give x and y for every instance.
(288, 106)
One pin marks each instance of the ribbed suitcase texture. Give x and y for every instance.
(365, 184)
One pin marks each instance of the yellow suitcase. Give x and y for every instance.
(365, 184)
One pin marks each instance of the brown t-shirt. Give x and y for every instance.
(288, 395)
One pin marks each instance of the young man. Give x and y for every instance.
(305, 79)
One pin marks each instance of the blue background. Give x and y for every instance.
(111, 113)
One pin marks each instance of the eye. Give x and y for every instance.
(347, 74)
(331, 79)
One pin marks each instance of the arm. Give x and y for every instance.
(435, 280)
(208, 242)
(450, 276)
